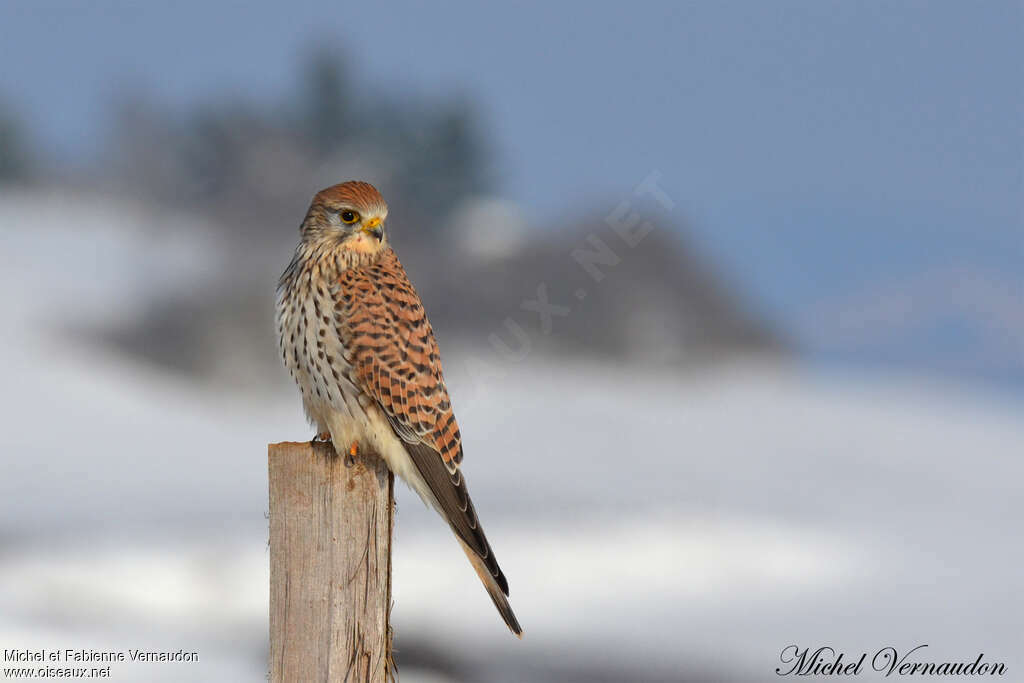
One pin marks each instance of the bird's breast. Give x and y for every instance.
(310, 337)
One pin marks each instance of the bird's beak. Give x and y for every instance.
(372, 227)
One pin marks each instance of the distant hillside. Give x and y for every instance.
(658, 304)
(658, 301)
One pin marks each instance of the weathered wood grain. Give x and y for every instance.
(330, 565)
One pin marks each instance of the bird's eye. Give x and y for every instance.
(349, 216)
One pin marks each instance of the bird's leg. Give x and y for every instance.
(350, 456)
(322, 436)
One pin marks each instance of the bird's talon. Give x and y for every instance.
(350, 455)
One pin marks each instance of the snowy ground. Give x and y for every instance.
(653, 526)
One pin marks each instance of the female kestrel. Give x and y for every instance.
(354, 335)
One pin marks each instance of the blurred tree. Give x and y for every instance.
(447, 162)
(15, 163)
(327, 113)
(248, 163)
(213, 148)
(143, 155)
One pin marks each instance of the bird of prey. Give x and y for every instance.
(354, 336)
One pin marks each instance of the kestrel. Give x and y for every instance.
(355, 337)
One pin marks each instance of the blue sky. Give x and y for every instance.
(817, 150)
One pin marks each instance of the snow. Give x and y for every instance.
(648, 522)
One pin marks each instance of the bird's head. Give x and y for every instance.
(348, 216)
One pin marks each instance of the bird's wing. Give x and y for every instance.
(394, 356)
(395, 360)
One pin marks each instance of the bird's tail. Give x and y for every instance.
(445, 489)
(498, 596)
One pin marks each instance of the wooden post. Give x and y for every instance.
(330, 565)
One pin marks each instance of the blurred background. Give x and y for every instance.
(730, 298)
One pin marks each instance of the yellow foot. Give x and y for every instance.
(353, 451)
(322, 436)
